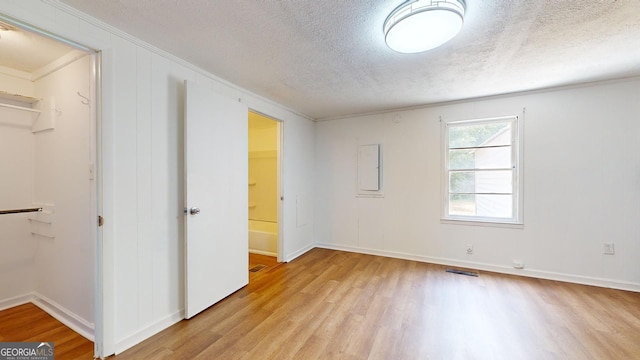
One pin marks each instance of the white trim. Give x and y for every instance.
(15, 301)
(532, 273)
(65, 316)
(59, 63)
(294, 255)
(138, 42)
(542, 90)
(496, 119)
(280, 164)
(59, 312)
(15, 73)
(261, 252)
(105, 166)
(520, 169)
(148, 331)
(452, 221)
(516, 168)
(96, 204)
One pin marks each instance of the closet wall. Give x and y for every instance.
(17, 147)
(48, 258)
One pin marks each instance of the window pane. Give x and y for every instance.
(490, 134)
(461, 159)
(483, 158)
(494, 182)
(462, 205)
(481, 182)
(492, 206)
(462, 182)
(498, 206)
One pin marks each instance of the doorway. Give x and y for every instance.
(48, 166)
(264, 186)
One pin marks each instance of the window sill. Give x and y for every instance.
(488, 223)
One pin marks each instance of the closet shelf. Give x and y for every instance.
(42, 235)
(20, 108)
(40, 221)
(19, 98)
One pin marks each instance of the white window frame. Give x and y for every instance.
(517, 164)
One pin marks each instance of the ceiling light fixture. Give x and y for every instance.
(421, 25)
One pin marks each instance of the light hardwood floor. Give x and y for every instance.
(338, 305)
(28, 323)
(270, 263)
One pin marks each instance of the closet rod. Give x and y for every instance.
(2, 212)
(20, 108)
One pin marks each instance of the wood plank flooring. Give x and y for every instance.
(29, 323)
(269, 263)
(338, 305)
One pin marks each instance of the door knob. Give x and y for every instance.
(194, 211)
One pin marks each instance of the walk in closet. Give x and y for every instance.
(47, 178)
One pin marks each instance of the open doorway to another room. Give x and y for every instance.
(264, 193)
(48, 192)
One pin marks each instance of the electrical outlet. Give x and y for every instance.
(609, 249)
(469, 249)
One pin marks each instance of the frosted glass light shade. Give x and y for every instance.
(421, 25)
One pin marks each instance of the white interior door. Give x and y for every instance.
(216, 200)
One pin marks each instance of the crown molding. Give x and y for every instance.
(57, 4)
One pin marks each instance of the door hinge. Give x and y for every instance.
(100, 221)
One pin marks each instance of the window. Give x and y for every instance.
(481, 170)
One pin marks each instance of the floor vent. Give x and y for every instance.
(257, 268)
(462, 272)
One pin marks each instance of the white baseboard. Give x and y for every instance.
(15, 301)
(59, 312)
(533, 273)
(260, 252)
(292, 256)
(65, 316)
(149, 331)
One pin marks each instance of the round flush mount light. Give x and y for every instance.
(421, 25)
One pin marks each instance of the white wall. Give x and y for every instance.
(142, 131)
(16, 82)
(65, 264)
(581, 186)
(17, 248)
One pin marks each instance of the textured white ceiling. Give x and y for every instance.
(327, 58)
